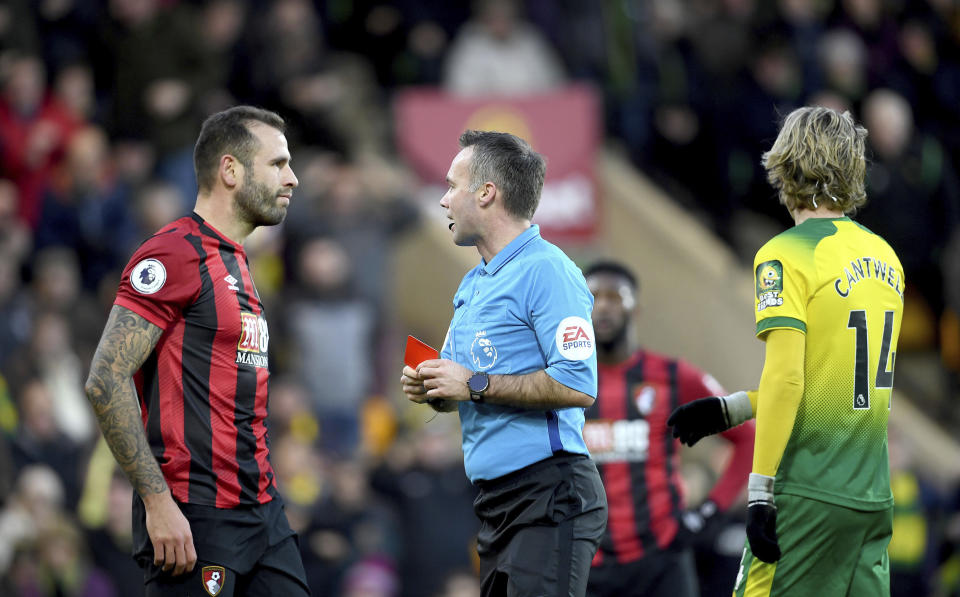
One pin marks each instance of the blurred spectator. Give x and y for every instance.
(223, 22)
(37, 497)
(423, 476)
(874, 25)
(351, 535)
(302, 473)
(659, 107)
(291, 413)
(331, 333)
(771, 88)
(843, 61)
(913, 547)
(14, 315)
(497, 53)
(948, 573)
(928, 76)
(912, 177)
(110, 546)
(18, 30)
(371, 577)
(74, 87)
(65, 28)
(40, 441)
(801, 23)
(135, 161)
(423, 39)
(55, 280)
(155, 95)
(9, 420)
(330, 97)
(16, 238)
(51, 360)
(34, 130)
(364, 206)
(87, 209)
(155, 205)
(63, 568)
(460, 584)
(302, 477)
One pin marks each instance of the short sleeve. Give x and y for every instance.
(781, 289)
(160, 279)
(560, 306)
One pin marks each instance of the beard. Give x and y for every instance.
(257, 204)
(617, 338)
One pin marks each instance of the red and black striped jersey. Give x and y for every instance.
(627, 434)
(203, 389)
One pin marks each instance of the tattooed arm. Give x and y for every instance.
(127, 341)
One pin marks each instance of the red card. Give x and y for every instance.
(418, 352)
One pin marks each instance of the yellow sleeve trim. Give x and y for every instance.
(778, 399)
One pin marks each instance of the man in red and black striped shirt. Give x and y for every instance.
(179, 379)
(646, 547)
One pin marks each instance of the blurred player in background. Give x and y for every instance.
(829, 302)
(646, 549)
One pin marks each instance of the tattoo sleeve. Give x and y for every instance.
(127, 341)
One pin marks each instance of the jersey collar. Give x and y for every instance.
(208, 226)
(512, 249)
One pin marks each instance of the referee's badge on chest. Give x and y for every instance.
(482, 352)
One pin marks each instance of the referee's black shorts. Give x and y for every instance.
(248, 551)
(540, 527)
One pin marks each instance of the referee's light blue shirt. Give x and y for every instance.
(526, 310)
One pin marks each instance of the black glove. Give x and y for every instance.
(695, 420)
(762, 532)
(762, 519)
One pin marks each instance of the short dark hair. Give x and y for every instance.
(510, 163)
(228, 132)
(609, 266)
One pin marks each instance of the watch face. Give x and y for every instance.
(478, 382)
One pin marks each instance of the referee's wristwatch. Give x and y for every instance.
(478, 384)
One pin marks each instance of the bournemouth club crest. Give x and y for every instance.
(213, 577)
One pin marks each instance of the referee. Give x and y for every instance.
(179, 379)
(519, 363)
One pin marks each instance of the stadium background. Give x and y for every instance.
(657, 155)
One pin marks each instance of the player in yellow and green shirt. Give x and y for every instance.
(829, 301)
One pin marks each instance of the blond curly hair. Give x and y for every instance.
(819, 156)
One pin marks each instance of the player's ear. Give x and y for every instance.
(487, 193)
(231, 171)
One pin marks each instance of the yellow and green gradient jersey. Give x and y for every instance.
(842, 286)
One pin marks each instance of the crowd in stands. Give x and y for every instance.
(101, 101)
